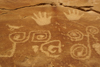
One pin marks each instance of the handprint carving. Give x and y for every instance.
(74, 15)
(42, 19)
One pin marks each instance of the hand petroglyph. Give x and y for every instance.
(74, 15)
(42, 19)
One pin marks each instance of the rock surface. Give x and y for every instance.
(49, 33)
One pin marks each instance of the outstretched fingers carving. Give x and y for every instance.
(42, 19)
(73, 15)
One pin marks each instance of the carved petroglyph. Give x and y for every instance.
(21, 37)
(35, 48)
(42, 19)
(96, 46)
(48, 48)
(18, 37)
(41, 36)
(79, 51)
(85, 51)
(9, 53)
(12, 28)
(91, 30)
(74, 15)
(37, 36)
(75, 35)
(70, 65)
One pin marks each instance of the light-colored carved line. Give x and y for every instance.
(35, 48)
(75, 38)
(73, 15)
(12, 51)
(89, 31)
(48, 37)
(72, 52)
(24, 39)
(47, 53)
(14, 43)
(92, 30)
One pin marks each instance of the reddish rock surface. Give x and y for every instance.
(41, 33)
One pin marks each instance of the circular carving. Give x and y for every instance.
(75, 35)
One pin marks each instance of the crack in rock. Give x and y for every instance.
(82, 8)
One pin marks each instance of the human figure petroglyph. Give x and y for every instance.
(74, 15)
(50, 52)
(12, 28)
(42, 19)
(75, 35)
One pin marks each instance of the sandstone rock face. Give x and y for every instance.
(49, 33)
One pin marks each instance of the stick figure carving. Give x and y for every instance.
(42, 19)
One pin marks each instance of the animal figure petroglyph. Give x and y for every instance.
(74, 15)
(12, 28)
(42, 19)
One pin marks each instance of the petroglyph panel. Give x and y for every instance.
(49, 33)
